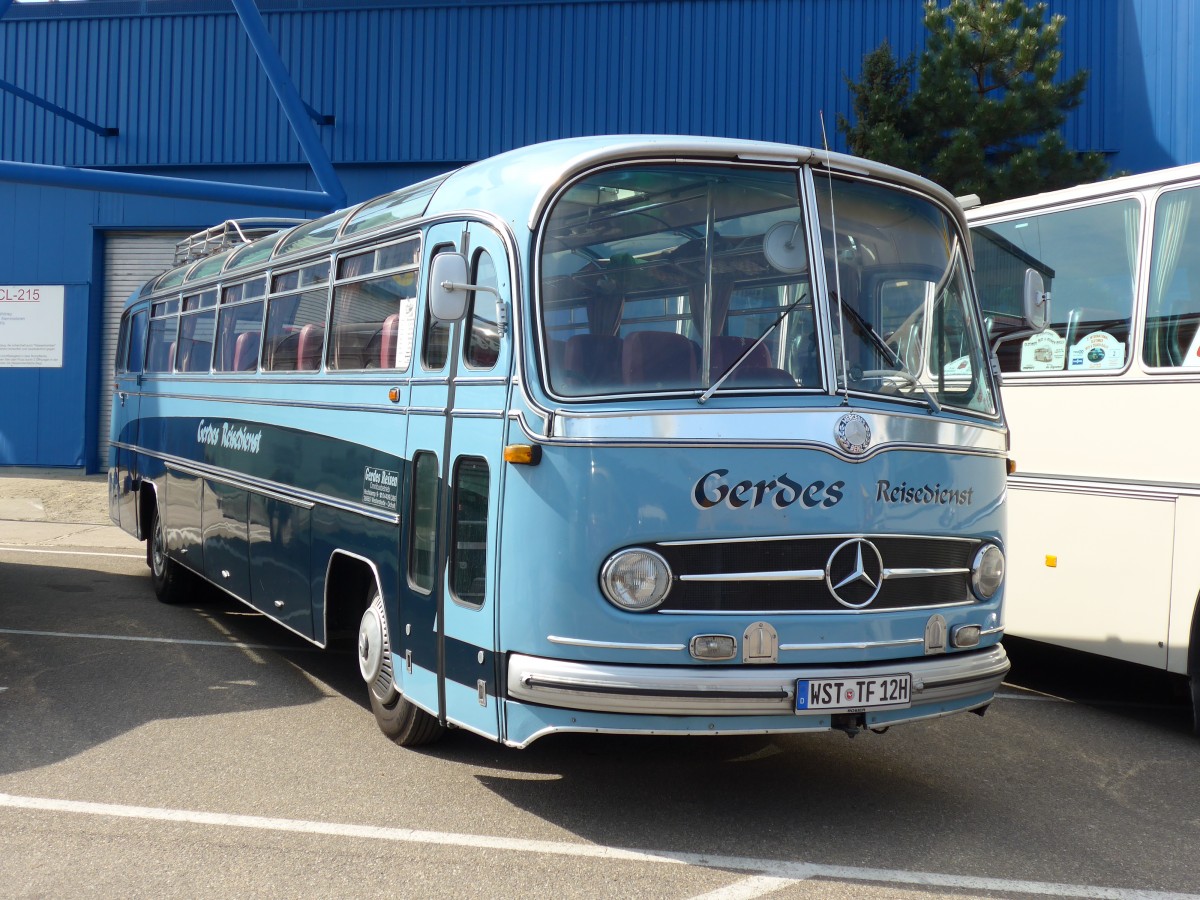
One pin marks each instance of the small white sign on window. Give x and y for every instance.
(1098, 350)
(31, 326)
(1044, 352)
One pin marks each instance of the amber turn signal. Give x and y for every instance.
(523, 454)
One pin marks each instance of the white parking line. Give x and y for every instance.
(747, 888)
(39, 550)
(237, 645)
(770, 868)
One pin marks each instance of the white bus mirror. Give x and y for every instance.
(447, 287)
(1037, 301)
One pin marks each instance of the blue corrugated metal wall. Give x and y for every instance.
(419, 86)
(434, 82)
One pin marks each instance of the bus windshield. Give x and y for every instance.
(654, 279)
(676, 278)
(900, 304)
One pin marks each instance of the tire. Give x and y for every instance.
(406, 724)
(1194, 681)
(168, 577)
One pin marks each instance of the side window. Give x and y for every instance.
(197, 327)
(296, 319)
(137, 343)
(423, 536)
(122, 345)
(239, 331)
(483, 329)
(372, 315)
(1173, 310)
(468, 555)
(1087, 257)
(164, 332)
(435, 344)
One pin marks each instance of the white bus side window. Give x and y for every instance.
(1173, 310)
(1087, 257)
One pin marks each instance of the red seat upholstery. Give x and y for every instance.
(656, 360)
(245, 352)
(308, 350)
(592, 360)
(387, 343)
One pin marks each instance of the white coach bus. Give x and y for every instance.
(1105, 503)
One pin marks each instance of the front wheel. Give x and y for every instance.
(400, 720)
(170, 581)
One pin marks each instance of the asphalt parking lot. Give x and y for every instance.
(201, 751)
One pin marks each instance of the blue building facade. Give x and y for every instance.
(401, 90)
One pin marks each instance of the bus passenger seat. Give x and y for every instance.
(593, 360)
(245, 351)
(660, 359)
(308, 350)
(726, 349)
(387, 343)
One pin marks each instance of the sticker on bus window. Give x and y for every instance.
(1098, 350)
(381, 488)
(1044, 352)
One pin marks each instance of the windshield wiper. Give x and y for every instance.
(901, 370)
(800, 295)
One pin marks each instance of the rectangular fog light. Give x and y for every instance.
(965, 636)
(713, 646)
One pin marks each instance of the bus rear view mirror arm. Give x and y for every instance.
(449, 287)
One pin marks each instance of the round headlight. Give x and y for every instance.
(635, 579)
(987, 571)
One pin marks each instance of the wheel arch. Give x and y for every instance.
(350, 581)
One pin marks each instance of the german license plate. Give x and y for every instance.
(854, 693)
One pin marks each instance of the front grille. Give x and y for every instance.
(940, 588)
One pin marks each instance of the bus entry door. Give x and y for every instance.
(457, 414)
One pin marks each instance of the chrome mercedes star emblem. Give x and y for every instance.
(854, 573)
(853, 433)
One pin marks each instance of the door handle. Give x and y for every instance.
(122, 395)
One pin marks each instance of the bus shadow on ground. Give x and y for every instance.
(84, 660)
(1138, 694)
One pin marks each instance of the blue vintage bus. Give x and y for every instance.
(634, 434)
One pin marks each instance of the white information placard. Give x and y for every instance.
(31, 326)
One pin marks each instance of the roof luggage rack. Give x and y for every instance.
(229, 233)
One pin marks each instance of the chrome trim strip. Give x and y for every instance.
(612, 645)
(477, 413)
(814, 537)
(922, 573)
(427, 410)
(736, 690)
(385, 406)
(858, 645)
(807, 426)
(764, 613)
(813, 575)
(789, 575)
(262, 486)
(1134, 490)
(239, 483)
(999, 629)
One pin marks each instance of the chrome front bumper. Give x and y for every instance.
(736, 691)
